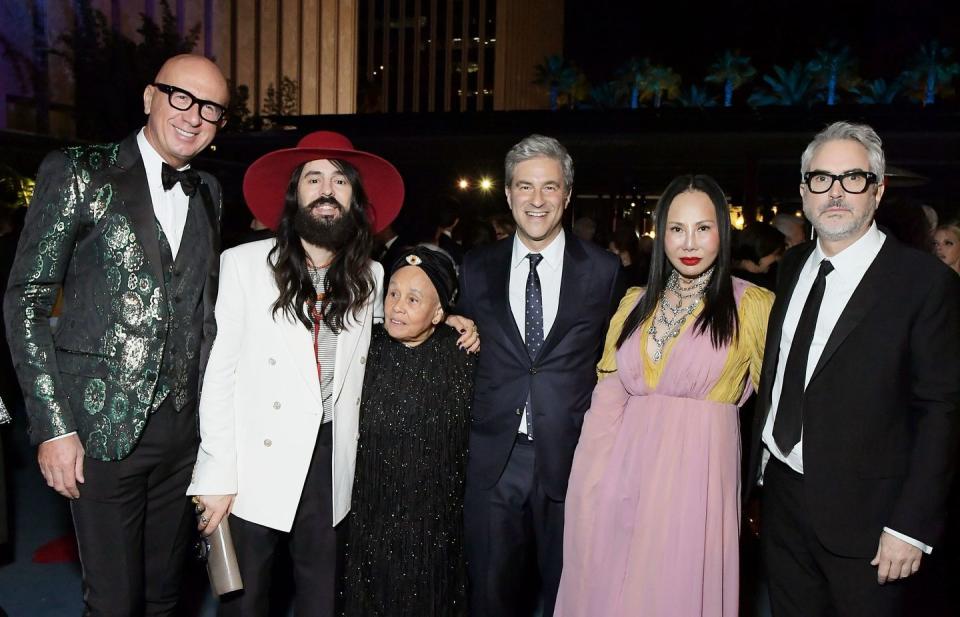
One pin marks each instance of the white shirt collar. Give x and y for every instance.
(152, 161)
(552, 253)
(856, 258)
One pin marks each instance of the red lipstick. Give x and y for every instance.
(690, 261)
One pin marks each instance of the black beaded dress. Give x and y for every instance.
(405, 552)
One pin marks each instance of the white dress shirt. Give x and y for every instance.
(550, 271)
(849, 265)
(170, 207)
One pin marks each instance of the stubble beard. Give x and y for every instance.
(835, 232)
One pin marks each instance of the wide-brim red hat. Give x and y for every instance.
(265, 183)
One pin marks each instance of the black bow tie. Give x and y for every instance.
(189, 179)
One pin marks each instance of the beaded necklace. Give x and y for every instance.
(669, 317)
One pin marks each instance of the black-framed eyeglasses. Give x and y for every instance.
(182, 100)
(852, 181)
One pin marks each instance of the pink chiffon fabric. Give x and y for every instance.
(652, 516)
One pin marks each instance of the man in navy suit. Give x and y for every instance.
(542, 299)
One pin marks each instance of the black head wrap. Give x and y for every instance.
(438, 268)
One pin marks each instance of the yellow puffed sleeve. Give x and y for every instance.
(608, 362)
(745, 356)
(754, 313)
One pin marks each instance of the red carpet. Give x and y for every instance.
(61, 550)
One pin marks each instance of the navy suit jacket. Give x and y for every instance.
(559, 380)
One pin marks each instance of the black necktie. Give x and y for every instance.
(189, 179)
(533, 322)
(788, 425)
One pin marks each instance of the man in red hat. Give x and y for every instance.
(129, 232)
(281, 398)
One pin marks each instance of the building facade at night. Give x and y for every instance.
(340, 56)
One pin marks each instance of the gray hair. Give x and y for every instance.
(536, 146)
(860, 133)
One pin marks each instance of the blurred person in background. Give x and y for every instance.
(635, 263)
(756, 251)
(946, 244)
(503, 225)
(585, 228)
(793, 228)
(905, 218)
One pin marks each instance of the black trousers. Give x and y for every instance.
(134, 522)
(805, 578)
(312, 544)
(514, 541)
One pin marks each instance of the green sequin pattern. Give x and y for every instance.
(97, 372)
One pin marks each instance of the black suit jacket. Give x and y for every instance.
(560, 379)
(91, 231)
(880, 410)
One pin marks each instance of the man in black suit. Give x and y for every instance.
(857, 411)
(542, 300)
(129, 232)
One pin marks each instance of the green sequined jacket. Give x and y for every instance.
(91, 231)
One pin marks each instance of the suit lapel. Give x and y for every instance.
(861, 302)
(498, 286)
(131, 187)
(203, 199)
(574, 284)
(347, 342)
(299, 343)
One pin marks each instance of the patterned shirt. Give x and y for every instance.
(324, 345)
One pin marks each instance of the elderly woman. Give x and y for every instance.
(405, 553)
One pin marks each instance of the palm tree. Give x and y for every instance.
(697, 97)
(732, 70)
(878, 92)
(660, 82)
(932, 71)
(834, 67)
(632, 76)
(579, 91)
(785, 87)
(557, 75)
(608, 95)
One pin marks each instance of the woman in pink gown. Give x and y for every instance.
(653, 505)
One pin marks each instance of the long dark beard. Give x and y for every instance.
(331, 234)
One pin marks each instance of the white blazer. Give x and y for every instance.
(260, 407)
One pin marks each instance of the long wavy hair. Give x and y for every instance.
(719, 313)
(348, 283)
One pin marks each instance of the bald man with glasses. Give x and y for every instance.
(130, 232)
